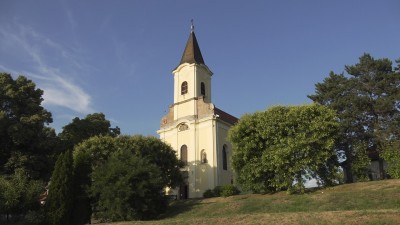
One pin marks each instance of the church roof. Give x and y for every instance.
(192, 53)
(226, 116)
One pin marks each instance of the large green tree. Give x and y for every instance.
(81, 129)
(59, 202)
(25, 141)
(283, 147)
(128, 187)
(95, 152)
(366, 100)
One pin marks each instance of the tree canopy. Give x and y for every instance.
(19, 194)
(128, 187)
(92, 158)
(25, 141)
(367, 101)
(282, 147)
(82, 129)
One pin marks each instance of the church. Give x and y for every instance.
(195, 128)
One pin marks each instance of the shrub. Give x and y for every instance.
(229, 190)
(208, 194)
(217, 191)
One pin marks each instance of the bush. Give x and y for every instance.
(35, 217)
(229, 190)
(128, 187)
(208, 194)
(221, 191)
(217, 191)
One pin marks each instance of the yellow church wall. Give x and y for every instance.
(205, 177)
(225, 176)
(198, 137)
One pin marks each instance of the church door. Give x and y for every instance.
(183, 191)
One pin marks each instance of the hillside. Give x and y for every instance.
(375, 202)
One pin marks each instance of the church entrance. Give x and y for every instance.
(183, 191)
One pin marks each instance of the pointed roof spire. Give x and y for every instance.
(192, 53)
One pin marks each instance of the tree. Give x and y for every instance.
(128, 187)
(93, 153)
(60, 199)
(18, 194)
(82, 129)
(96, 150)
(282, 147)
(367, 103)
(23, 134)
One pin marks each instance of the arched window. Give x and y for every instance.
(203, 156)
(203, 88)
(184, 88)
(224, 158)
(184, 154)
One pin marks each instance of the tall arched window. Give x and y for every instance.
(184, 154)
(203, 88)
(203, 156)
(184, 88)
(224, 158)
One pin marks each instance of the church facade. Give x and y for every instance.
(195, 128)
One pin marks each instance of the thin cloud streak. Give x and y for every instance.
(58, 90)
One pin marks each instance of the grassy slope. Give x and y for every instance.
(376, 202)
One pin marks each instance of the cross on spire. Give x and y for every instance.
(192, 26)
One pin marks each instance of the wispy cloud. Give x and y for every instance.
(49, 63)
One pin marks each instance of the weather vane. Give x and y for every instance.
(192, 26)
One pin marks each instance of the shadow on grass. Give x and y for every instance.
(177, 207)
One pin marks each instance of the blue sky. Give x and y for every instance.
(116, 57)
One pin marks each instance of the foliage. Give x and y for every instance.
(25, 142)
(229, 190)
(208, 194)
(82, 129)
(283, 146)
(18, 194)
(60, 199)
(127, 187)
(93, 153)
(217, 191)
(367, 103)
(35, 217)
(221, 191)
(391, 154)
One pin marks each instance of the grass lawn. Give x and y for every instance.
(375, 202)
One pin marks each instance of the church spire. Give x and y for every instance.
(192, 53)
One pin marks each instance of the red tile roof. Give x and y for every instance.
(226, 116)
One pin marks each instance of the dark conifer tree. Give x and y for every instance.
(60, 200)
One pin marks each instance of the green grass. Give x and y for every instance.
(376, 202)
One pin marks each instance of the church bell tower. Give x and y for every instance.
(195, 128)
(192, 79)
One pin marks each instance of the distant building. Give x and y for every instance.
(195, 128)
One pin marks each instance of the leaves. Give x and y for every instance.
(119, 169)
(60, 199)
(23, 127)
(127, 187)
(367, 104)
(284, 145)
(82, 129)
